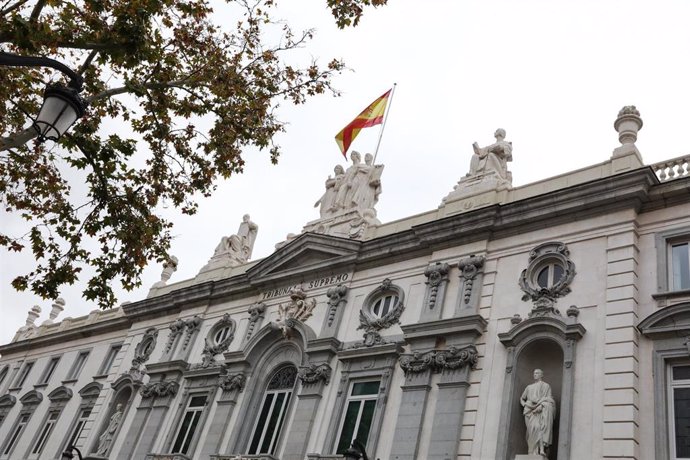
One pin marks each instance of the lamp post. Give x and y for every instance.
(62, 105)
(68, 455)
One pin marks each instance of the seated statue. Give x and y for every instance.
(238, 247)
(492, 159)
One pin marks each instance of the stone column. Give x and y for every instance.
(232, 384)
(416, 389)
(621, 353)
(450, 409)
(156, 400)
(314, 378)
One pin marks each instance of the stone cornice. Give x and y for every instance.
(471, 326)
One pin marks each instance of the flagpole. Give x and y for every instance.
(383, 126)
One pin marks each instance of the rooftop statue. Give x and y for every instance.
(327, 200)
(492, 159)
(235, 249)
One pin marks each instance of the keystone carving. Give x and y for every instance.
(313, 373)
(230, 382)
(438, 360)
(299, 309)
(469, 268)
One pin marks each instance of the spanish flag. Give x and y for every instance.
(371, 116)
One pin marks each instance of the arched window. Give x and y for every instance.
(549, 275)
(273, 412)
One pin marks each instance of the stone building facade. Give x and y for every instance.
(415, 337)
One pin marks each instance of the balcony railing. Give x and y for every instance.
(674, 168)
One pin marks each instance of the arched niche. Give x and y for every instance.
(125, 389)
(545, 342)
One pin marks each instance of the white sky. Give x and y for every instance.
(552, 73)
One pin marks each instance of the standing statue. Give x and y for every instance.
(106, 439)
(361, 185)
(539, 409)
(328, 199)
(492, 159)
(238, 247)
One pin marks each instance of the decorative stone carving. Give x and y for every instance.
(335, 295)
(493, 160)
(176, 328)
(299, 309)
(106, 438)
(192, 325)
(29, 329)
(539, 410)
(327, 200)
(359, 226)
(256, 315)
(312, 373)
(213, 348)
(230, 382)
(547, 277)
(235, 249)
(438, 360)
(469, 267)
(169, 267)
(371, 322)
(437, 276)
(628, 123)
(55, 310)
(159, 389)
(143, 350)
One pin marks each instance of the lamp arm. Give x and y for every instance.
(14, 60)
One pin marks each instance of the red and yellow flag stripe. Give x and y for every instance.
(371, 116)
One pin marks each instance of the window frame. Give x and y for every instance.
(670, 244)
(48, 372)
(198, 425)
(110, 357)
(77, 368)
(22, 375)
(663, 242)
(350, 398)
(283, 414)
(47, 428)
(29, 401)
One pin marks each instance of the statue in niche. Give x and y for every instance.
(106, 439)
(238, 247)
(492, 159)
(328, 199)
(539, 409)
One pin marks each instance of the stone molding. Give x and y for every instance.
(31, 398)
(7, 401)
(159, 389)
(439, 360)
(61, 393)
(313, 373)
(144, 348)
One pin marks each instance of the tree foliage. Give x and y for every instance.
(187, 88)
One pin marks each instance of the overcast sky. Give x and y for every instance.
(552, 73)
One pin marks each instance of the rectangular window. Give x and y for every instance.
(189, 424)
(109, 359)
(78, 365)
(680, 266)
(79, 427)
(679, 412)
(45, 432)
(50, 368)
(15, 434)
(23, 374)
(358, 414)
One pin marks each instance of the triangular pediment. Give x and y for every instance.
(309, 251)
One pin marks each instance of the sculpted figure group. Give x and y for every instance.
(357, 188)
(239, 246)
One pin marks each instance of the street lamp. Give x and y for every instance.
(68, 455)
(62, 105)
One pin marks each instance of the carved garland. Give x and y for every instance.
(159, 389)
(438, 360)
(335, 296)
(256, 313)
(469, 267)
(436, 274)
(230, 382)
(544, 298)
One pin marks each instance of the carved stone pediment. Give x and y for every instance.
(308, 251)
